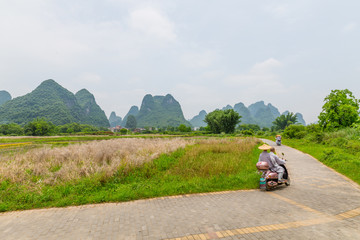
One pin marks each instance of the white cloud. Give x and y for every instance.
(349, 27)
(260, 75)
(152, 22)
(89, 78)
(201, 60)
(279, 10)
(207, 98)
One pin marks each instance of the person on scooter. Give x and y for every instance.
(278, 140)
(276, 162)
(265, 156)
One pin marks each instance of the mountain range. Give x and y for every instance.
(60, 106)
(257, 113)
(55, 103)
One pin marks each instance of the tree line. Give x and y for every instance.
(340, 110)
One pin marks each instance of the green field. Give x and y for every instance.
(47, 177)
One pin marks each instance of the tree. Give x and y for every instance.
(11, 129)
(220, 121)
(253, 127)
(283, 121)
(39, 127)
(131, 122)
(341, 109)
(184, 128)
(123, 131)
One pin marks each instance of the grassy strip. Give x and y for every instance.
(342, 159)
(204, 167)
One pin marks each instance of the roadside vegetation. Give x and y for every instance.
(335, 139)
(124, 169)
(339, 149)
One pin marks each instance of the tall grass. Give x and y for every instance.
(213, 157)
(53, 165)
(137, 169)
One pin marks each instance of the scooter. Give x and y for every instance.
(278, 140)
(269, 179)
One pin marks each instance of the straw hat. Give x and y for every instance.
(264, 147)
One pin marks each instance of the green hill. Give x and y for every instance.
(4, 97)
(134, 110)
(94, 115)
(246, 117)
(114, 120)
(263, 114)
(198, 120)
(160, 111)
(51, 101)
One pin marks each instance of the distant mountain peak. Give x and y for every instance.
(160, 111)
(114, 120)
(202, 112)
(49, 83)
(4, 97)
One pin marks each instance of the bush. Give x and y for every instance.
(11, 129)
(338, 142)
(260, 133)
(39, 127)
(249, 132)
(316, 137)
(123, 131)
(295, 131)
(300, 134)
(313, 128)
(353, 146)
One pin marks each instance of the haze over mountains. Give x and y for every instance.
(257, 113)
(55, 103)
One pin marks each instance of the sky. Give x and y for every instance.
(206, 53)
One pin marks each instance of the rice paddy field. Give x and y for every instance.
(62, 171)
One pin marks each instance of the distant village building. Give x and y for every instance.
(116, 128)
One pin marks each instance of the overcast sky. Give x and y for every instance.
(206, 53)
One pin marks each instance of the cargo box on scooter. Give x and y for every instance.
(262, 165)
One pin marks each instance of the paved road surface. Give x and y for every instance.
(319, 204)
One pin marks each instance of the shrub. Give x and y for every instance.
(300, 134)
(338, 142)
(317, 137)
(313, 128)
(249, 132)
(353, 145)
(295, 131)
(39, 127)
(260, 133)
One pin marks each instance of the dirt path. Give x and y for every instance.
(319, 204)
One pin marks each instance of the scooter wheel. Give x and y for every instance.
(268, 188)
(287, 183)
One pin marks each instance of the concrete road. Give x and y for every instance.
(319, 204)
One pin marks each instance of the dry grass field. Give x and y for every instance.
(61, 164)
(123, 169)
